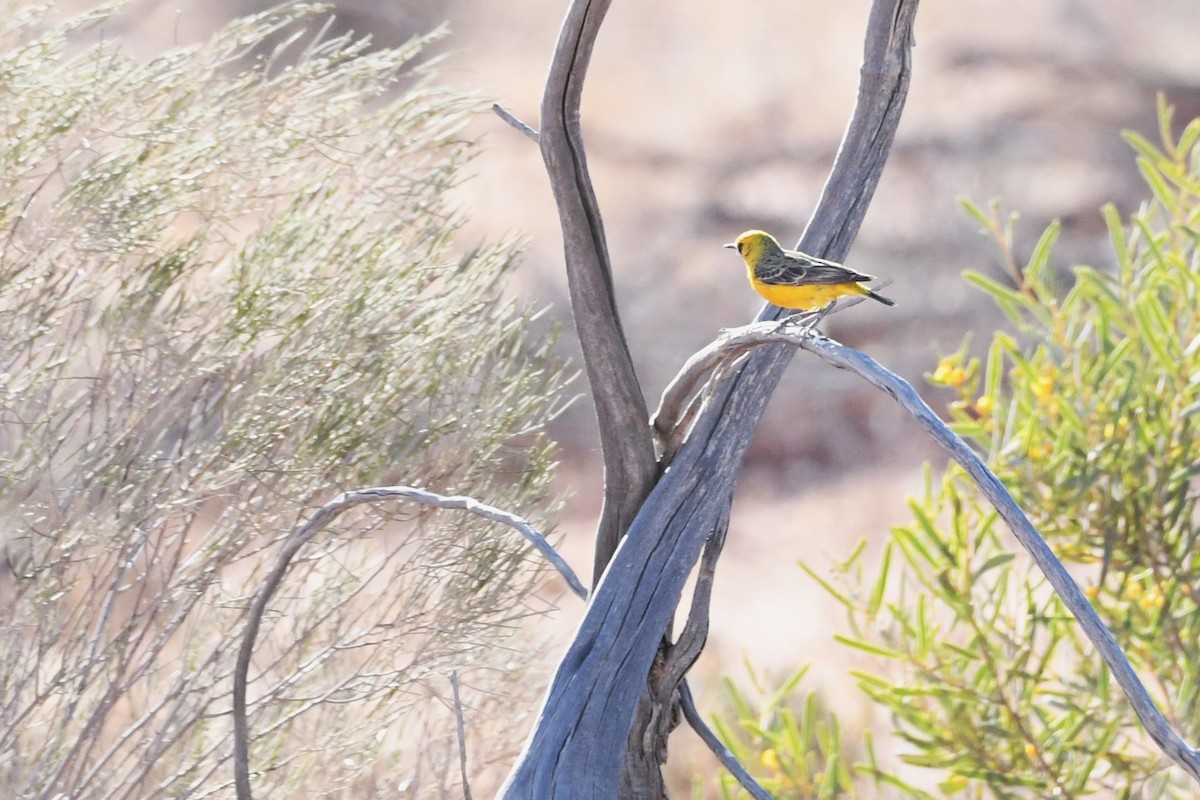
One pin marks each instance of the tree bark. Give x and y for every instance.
(629, 463)
(577, 746)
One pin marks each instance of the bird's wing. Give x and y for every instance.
(798, 269)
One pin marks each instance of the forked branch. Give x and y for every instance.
(578, 743)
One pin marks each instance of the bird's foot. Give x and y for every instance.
(807, 321)
(804, 321)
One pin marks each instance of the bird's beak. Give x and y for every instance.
(730, 245)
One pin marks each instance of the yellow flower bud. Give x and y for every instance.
(953, 784)
(1043, 388)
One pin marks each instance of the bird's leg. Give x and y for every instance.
(821, 314)
(807, 321)
(801, 319)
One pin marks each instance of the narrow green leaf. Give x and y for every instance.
(787, 688)
(1035, 270)
(977, 213)
(1099, 373)
(1187, 139)
(827, 586)
(1141, 145)
(740, 706)
(876, 599)
(868, 678)
(807, 735)
(924, 639)
(795, 740)
(855, 554)
(1010, 301)
(867, 647)
(1158, 185)
(1153, 240)
(994, 374)
(992, 563)
(1166, 113)
(1152, 327)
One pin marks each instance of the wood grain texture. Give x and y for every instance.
(576, 748)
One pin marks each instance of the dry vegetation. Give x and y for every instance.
(229, 290)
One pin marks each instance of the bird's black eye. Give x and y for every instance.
(740, 246)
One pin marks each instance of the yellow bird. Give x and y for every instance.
(791, 279)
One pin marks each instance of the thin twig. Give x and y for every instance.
(723, 754)
(691, 640)
(687, 649)
(299, 537)
(462, 734)
(837, 354)
(520, 126)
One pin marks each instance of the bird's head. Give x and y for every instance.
(753, 244)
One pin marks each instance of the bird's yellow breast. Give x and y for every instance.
(805, 298)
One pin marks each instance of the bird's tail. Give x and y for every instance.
(887, 301)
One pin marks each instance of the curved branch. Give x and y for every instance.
(691, 640)
(629, 463)
(727, 759)
(576, 747)
(299, 537)
(683, 655)
(1160, 730)
(733, 343)
(674, 408)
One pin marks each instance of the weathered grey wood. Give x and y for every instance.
(629, 462)
(298, 538)
(576, 747)
(1153, 720)
(733, 343)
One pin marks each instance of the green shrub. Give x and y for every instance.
(791, 744)
(1086, 408)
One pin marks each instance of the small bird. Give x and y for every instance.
(791, 279)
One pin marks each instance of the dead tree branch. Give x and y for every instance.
(301, 536)
(734, 343)
(576, 748)
(516, 124)
(727, 759)
(629, 463)
(460, 727)
(1160, 730)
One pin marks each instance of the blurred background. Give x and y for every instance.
(703, 119)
